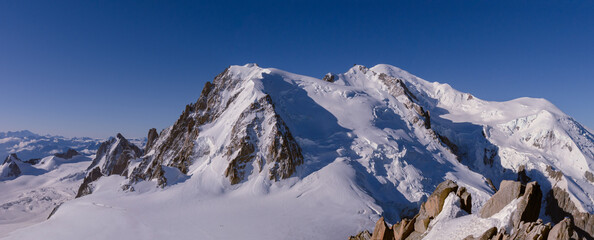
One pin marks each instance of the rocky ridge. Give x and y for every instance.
(525, 223)
(258, 137)
(113, 158)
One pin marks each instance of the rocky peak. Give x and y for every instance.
(10, 168)
(151, 138)
(259, 136)
(11, 158)
(114, 155)
(329, 77)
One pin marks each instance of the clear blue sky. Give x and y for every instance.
(95, 68)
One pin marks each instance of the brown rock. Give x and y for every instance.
(381, 231)
(508, 191)
(404, 228)
(421, 224)
(415, 236)
(465, 199)
(562, 231)
(365, 235)
(531, 230)
(488, 234)
(559, 206)
(151, 138)
(434, 203)
(528, 208)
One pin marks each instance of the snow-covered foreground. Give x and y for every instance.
(291, 210)
(374, 142)
(31, 197)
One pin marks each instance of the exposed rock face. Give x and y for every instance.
(365, 235)
(554, 174)
(85, 187)
(10, 168)
(403, 228)
(531, 230)
(526, 224)
(528, 208)
(151, 138)
(562, 231)
(589, 176)
(382, 231)
(282, 154)
(33, 161)
(114, 155)
(434, 203)
(489, 234)
(559, 206)
(113, 158)
(508, 191)
(259, 137)
(68, 154)
(465, 199)
(414, 229)
(522, 176)
(329, 77)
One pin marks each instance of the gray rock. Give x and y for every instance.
(151, 138)
(365, 235)
(68, 154)
(531, 230)
(528, 208)
(562, 231)
(508, 191)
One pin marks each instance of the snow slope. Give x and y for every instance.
(376, 141)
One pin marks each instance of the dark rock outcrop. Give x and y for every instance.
(10, 168)
(528, 208)
(465, 199)
(33, 161)
(112, 158)
(68, 154)
(54, 211)
(559, 206)
(151, 138)
(329, 77)
(563, 231)
(85, 187)
(114, 155)
(522, 176)
(589, 176)
(282, 154)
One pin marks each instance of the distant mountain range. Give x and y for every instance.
(268, 154)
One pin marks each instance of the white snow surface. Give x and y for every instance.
(365, 156)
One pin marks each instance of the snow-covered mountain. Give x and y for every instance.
(39, 173)
(267, 154)
(28, 145)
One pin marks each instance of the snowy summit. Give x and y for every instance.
(268, 154)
